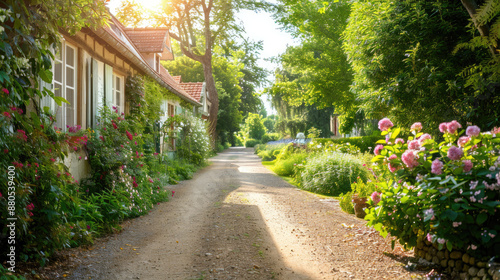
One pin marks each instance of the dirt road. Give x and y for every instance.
(237, 220)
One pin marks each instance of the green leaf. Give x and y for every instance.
(449, 246)
(59, 100)
(395, 133)
(380, 142)
(45, 75)
(405, 199)
(481, 218)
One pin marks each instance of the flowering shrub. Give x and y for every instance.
(447, 192)
(194, 144)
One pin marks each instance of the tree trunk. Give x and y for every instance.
(214, 107)
(471, 7)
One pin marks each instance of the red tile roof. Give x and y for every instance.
(177, 79)
(194, 89)
(151, 40)
(167, 78)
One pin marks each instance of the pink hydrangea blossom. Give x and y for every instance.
(424, 137)
(437, 167)
(392, 168)
(385, 124)
(377, 149)
(455, 153)
(429, 237)
(462, 141)
(453, 126)
(400, 141)
(467, 165)
(414, 145)
(443, 127)
(6, 91)
(375, 197)
(409, 158)
(417, 127)
(472, 130)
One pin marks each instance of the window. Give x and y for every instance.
(64, 84)
(171, 113)
(118, 93)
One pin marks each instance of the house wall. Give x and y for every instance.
(91, 48)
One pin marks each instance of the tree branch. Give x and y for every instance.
(471, 7)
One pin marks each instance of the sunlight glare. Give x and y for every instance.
(149, 5)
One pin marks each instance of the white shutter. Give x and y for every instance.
(70, 86)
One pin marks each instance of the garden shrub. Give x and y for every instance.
(290, 166)
(332, 173)
(250, 143)
(194, 144)
(346, 203)
(270, 137)
(268, 152)
(364, 143)
(446, 192)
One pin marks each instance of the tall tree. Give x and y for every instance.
(401, 53)
(319, 62)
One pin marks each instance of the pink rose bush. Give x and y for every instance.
(446, 191)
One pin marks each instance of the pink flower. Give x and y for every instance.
(467, 165)
(416, 127)
(453, 126)
(443, 127)
(101, 137)
(114, 125)
(437, 167)
(424, 137)
(129, 135)
(6, 91)
(455, 153)
(7, 114)
(375, 197)
(53, 160)
(30, 206)
(135, 184)
(391, 167)
(472, 131)
(462, 141)
(173, 192)
(441, 240)
(414, 145)
(400, 141)
(377, 149)
(409, 158)
(385, 124)
(429, 237)
(88, 227)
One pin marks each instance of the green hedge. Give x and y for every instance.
(364, 143)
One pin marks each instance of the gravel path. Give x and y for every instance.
(237, 220)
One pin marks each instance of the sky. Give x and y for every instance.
(258, 26)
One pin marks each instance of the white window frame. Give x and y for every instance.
(63, 87)
(119, 92)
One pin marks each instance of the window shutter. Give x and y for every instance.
(108, 85)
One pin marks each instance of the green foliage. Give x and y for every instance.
(332, 173)
(268, 152)
(250, 143)
(291, 165)
(346, 202)
(447, 193)
(364, 189)
(364, 143)
(194, 145)
(269, 124)
(317, 71)
(401, 54)
(254, 127)
(5, 274)
(270, 137)
(41, 186)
